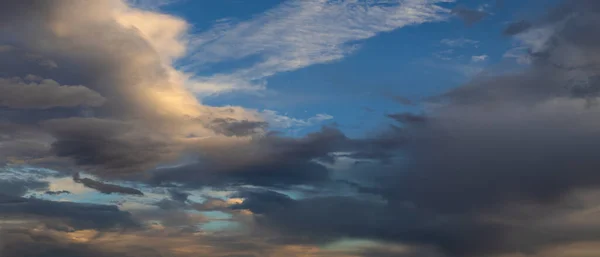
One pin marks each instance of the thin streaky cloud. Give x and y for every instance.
(297, 34)
(459, 42)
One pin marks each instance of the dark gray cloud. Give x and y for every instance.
(517, 27)
(109, 146)
(30, 243)
(21, 187)
(469, 16)
(105, 188)
(179, 196)
(232, 127)
(19, 142)
(495, 161)
(272, 160)
(384, 251)
(77, 215)
(407, 117)
(61, 192)
(262, 201)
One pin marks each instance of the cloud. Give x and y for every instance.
(40, 93)
(520, 54)
(479, 58)
(279, 121)
(6, 48)
(505, 164)
(104, 187)
(297, 34)
(517, 27)
(271, 160)
(35, 243)
(132, 97)
(232, 127)
(57, 192)
(501, 165)
(81, 216)
(469, 16)
(459, 42)
(115, 147)
(407, 117)
(21, 187)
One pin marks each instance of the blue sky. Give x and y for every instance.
(412, 62)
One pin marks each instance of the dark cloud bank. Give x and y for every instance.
(494, 167)
(485, 168)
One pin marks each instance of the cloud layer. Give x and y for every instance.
(502, 166)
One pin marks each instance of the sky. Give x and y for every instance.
(310, 128)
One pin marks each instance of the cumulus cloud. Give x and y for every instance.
(139, 112)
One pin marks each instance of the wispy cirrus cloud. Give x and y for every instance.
(297, 34)
(459, 42)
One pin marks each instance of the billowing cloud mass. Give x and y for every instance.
(502, 166)
(130, 109)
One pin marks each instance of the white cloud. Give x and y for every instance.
(532, 41)
(279, 121)
(536, 39)
(298, 34)
(479, 58)
(520, 54)
(459, 42)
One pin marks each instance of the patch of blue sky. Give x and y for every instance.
(204, 14)
(216, 215)
(220, 225)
